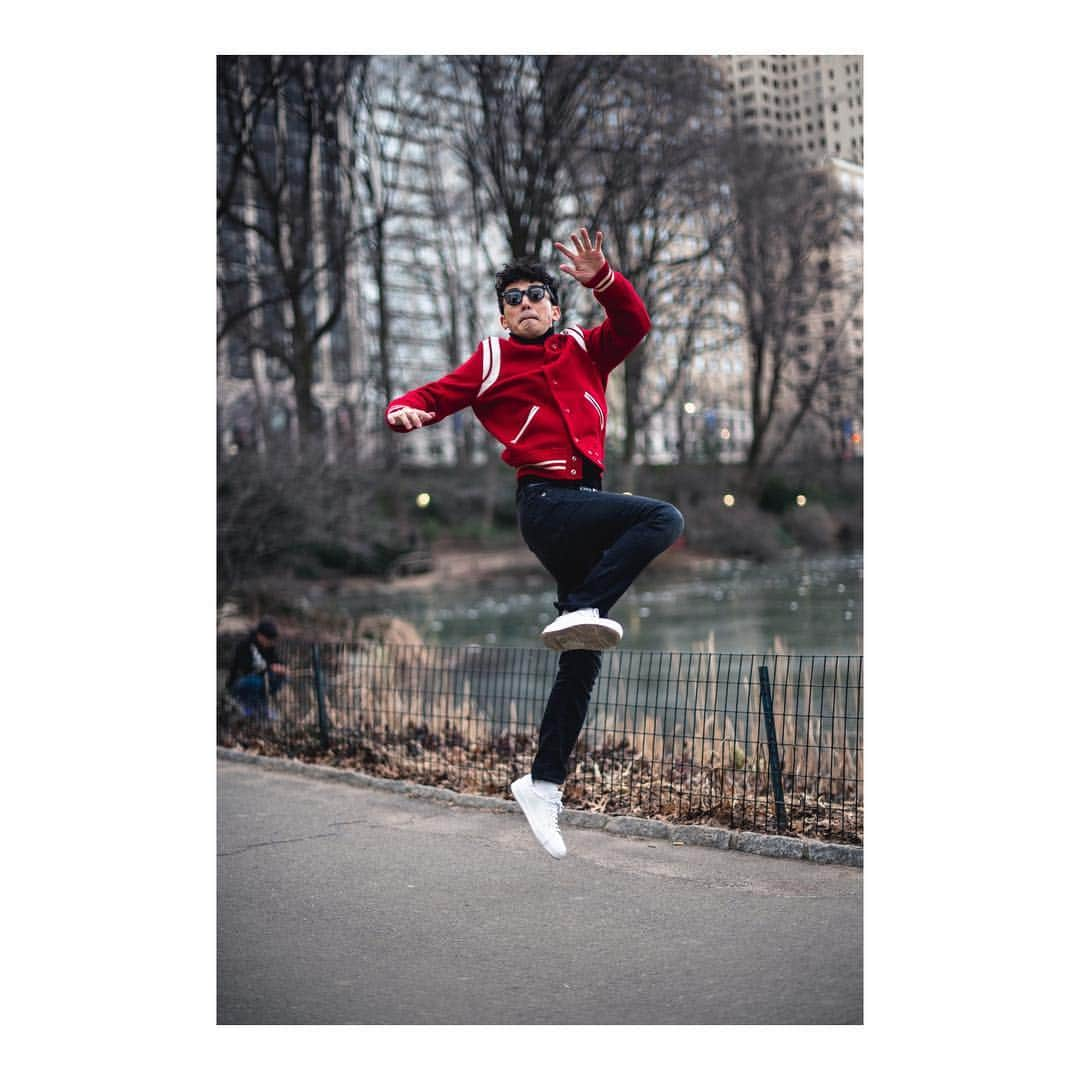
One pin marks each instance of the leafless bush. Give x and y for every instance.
(735, 530)
(812, 527)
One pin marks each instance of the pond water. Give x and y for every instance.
(801, 605)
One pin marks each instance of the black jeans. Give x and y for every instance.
(594, 544)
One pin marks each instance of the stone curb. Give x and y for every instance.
(782, 847)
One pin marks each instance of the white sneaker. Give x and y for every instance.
(541, 813)
(583, 629)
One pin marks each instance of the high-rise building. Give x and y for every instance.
(811, 104)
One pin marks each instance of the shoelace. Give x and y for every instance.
(555, 808)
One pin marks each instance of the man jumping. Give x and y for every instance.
(541, 394)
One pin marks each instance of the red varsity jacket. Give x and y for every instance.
(544, 403)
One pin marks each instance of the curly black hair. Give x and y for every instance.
(525, 270)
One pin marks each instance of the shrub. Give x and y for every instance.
(736, 530)
(812, 527)
(849, 522)
(776, 495)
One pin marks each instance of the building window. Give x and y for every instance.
(279, 420)
(239, 365)
(275, 369)
(340, 356)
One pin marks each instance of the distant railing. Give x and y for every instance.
(769, 743)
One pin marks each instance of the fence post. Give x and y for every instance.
(320, 697)
(774, 752)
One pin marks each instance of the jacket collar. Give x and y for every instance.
(534, 340)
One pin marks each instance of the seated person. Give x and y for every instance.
(256, 669)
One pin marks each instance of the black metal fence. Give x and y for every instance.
(769, 743)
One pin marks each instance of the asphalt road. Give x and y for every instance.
(346, 905)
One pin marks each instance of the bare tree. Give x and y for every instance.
(286, 209)
(521, 134)
(649, 190)
(386, 108)
(787, 218)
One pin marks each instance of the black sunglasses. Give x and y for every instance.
(535, 293)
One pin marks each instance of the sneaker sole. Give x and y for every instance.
(525, 811)
(592, 636)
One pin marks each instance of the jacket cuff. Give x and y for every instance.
(603, 279)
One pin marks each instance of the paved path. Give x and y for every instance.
(348, 905)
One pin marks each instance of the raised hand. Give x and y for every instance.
(586, 260)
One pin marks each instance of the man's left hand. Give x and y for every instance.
(586, 260)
